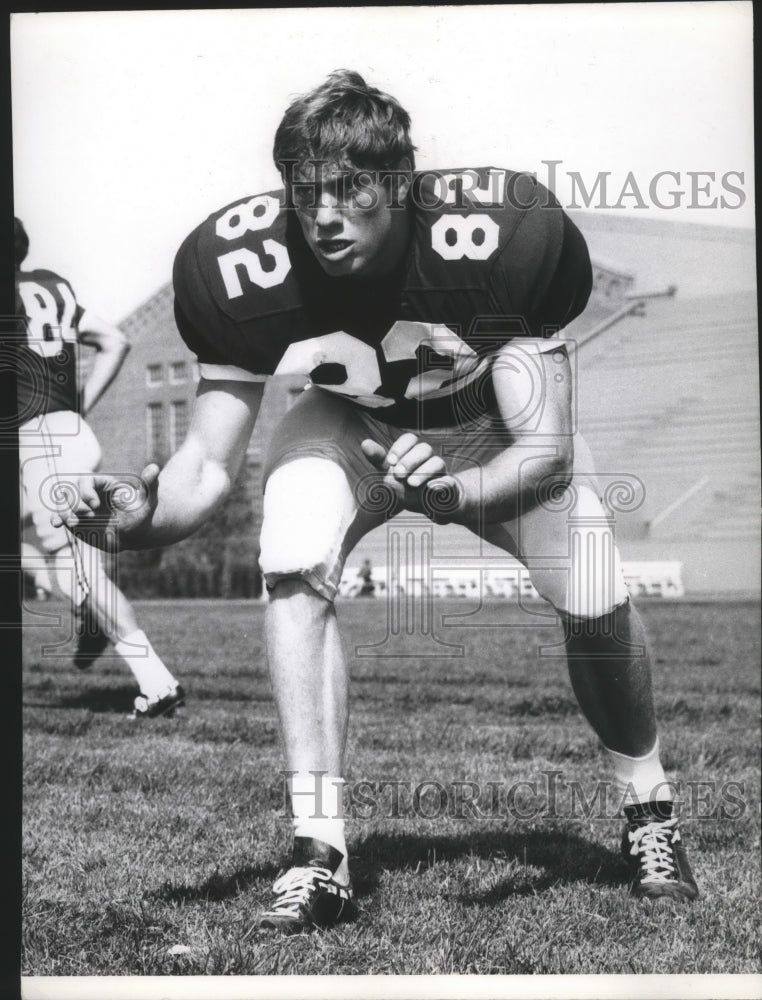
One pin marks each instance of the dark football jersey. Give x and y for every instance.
(48, 313)
(492, 257)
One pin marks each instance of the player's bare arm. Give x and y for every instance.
(112, 347)
(173, 503)
(533, 396)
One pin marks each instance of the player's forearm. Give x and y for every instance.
(195, 481)
(511, 484)
(106, 367)
(188, 494)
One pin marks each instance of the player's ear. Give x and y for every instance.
(405, 168)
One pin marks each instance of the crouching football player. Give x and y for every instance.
(425, 310)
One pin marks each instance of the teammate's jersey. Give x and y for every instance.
(48, 314)
(492, 257)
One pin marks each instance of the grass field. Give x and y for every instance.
(139, 837)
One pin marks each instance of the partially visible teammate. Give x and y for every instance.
(55, 447)
(425, 309)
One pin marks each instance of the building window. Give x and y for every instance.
(154, 375)
(178, 372)
(154, 432)
(178, 423)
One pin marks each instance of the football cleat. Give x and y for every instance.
(91, 639)
(307, 896)
(164, 704)
(653, 849)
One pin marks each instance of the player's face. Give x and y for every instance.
(354, 222)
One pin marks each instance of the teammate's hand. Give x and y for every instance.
(416, 475)
(109, 511)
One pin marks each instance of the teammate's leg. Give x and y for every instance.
(63, 448)
(106, 615)
(34, 563)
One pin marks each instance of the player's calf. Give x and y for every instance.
(91, 639)
(609, 667)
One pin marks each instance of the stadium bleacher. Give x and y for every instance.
(673, 397)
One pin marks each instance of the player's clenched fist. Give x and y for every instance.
(416, 475)
(109, 511)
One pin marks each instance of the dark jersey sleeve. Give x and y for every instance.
(235, 292)
(543, 273)
(200, 323)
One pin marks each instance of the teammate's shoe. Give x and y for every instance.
(653, 848)
(91, 639)
(164, 704)
(307, 896)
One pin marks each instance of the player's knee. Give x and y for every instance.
(308, 508)
(583, 599)
(590, 623)
(31, 557)
(51, 539)
(583, 577)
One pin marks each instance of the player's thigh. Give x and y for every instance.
(321, 493)
(54, 451)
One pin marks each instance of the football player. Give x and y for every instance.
(425, 308)
(56, 446)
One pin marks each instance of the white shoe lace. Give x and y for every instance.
(294, 888)
(652, 843)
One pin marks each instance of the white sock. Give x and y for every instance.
(316, 802)
(152, 676)
(640, 779)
